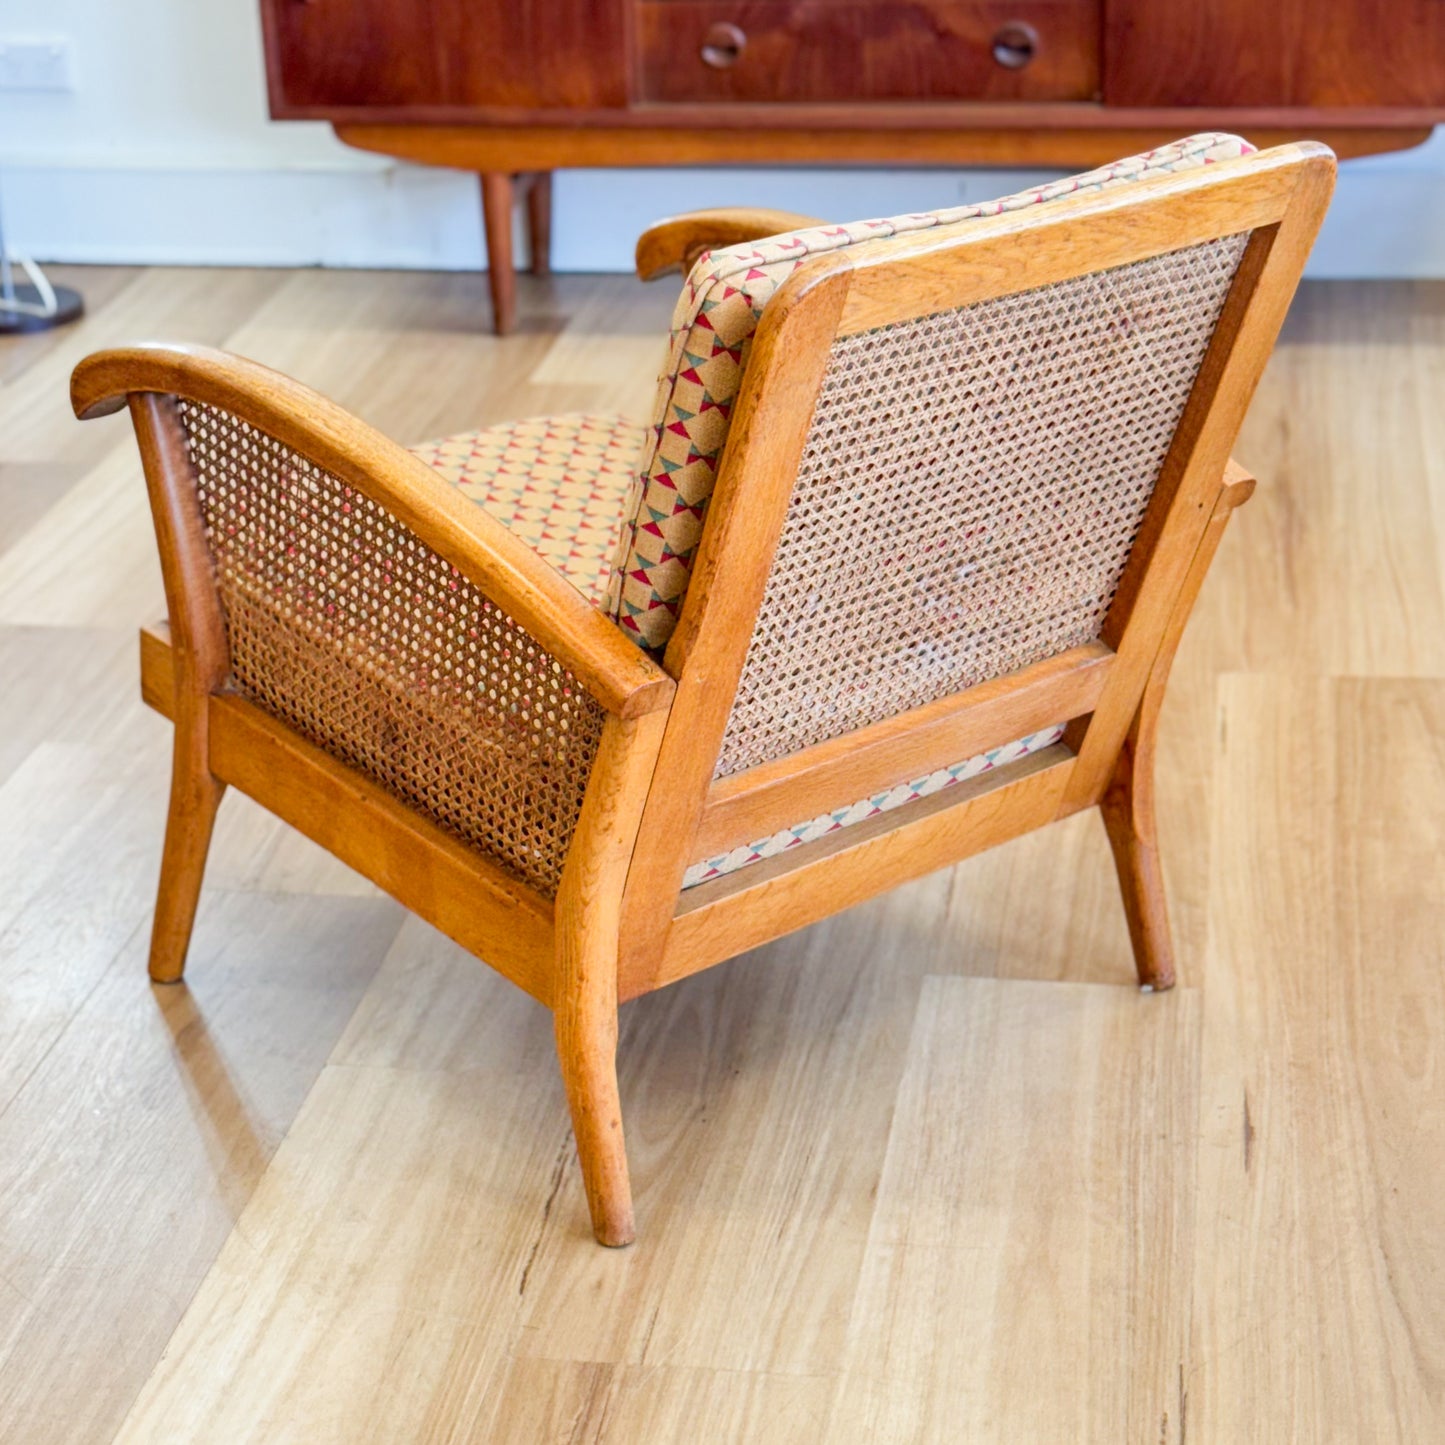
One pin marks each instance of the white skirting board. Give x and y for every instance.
(1388, 219)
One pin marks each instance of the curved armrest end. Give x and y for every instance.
(675, 243)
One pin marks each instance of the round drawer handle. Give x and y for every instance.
(1015, 45)
(722, 45)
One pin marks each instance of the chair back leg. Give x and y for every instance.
(1128, 801)
(1128, 810)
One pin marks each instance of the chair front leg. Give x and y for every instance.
(586, 1026)
(195, 797)
(588, 931)
(199, 663)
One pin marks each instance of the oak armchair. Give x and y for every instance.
(903, 561)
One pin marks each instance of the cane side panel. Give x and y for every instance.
(968, 495)
(344, 625)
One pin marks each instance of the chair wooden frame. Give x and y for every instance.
(621, 924)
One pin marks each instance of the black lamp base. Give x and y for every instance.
(68, 305)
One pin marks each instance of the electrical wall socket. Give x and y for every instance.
(36, 65)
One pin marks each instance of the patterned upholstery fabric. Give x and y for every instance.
(825, 823)
(717, 314)
(560, 483)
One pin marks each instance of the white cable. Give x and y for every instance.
(47, 305)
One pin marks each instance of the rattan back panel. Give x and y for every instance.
(968, 494)
(347, 627)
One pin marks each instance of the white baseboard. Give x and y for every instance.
(388, 216)
(1388, 218)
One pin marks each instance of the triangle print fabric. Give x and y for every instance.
(560, 483)
(886, 802)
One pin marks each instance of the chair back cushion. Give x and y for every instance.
(717, 315)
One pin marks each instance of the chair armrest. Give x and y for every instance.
(622, 679)
(674, 244)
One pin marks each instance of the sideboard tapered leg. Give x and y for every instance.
(498, 194)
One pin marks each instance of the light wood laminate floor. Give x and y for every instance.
(932, 1171)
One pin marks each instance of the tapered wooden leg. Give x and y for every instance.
(195, 797)
(201, 659)
(539, 222)
(498, 194)
(1128, 809)
(1128, 803)
(587, 1049)
(584, 996)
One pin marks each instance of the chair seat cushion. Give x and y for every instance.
(895, 797)
(559, 482)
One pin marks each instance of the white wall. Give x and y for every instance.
(163, 153)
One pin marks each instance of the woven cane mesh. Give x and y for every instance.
(968, 493)
(344, 625)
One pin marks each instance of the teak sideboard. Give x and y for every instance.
(515, 90)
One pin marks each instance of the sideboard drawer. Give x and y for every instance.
(860, 50)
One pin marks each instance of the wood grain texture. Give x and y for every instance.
(101, 284)
(1187, 491)
(574, 362)
(1277, 199)
(200, 661)
(1372, 351)
(754, 905)
(1295, 53)
(498, 194)
(569, 61)
(378, 1158)
(1079, 234)
(1040, 1233)
(1321, 1117)
(78, 855)
(40, 665)
(759, 800)
(29, 489)
(1075, 137)
(588, 951)
(1127, 806)
(561, 1400)
(539, 223)
(373, 52)
(206, 304)
(856, 51)
(134, 1144)
(422, 1287)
